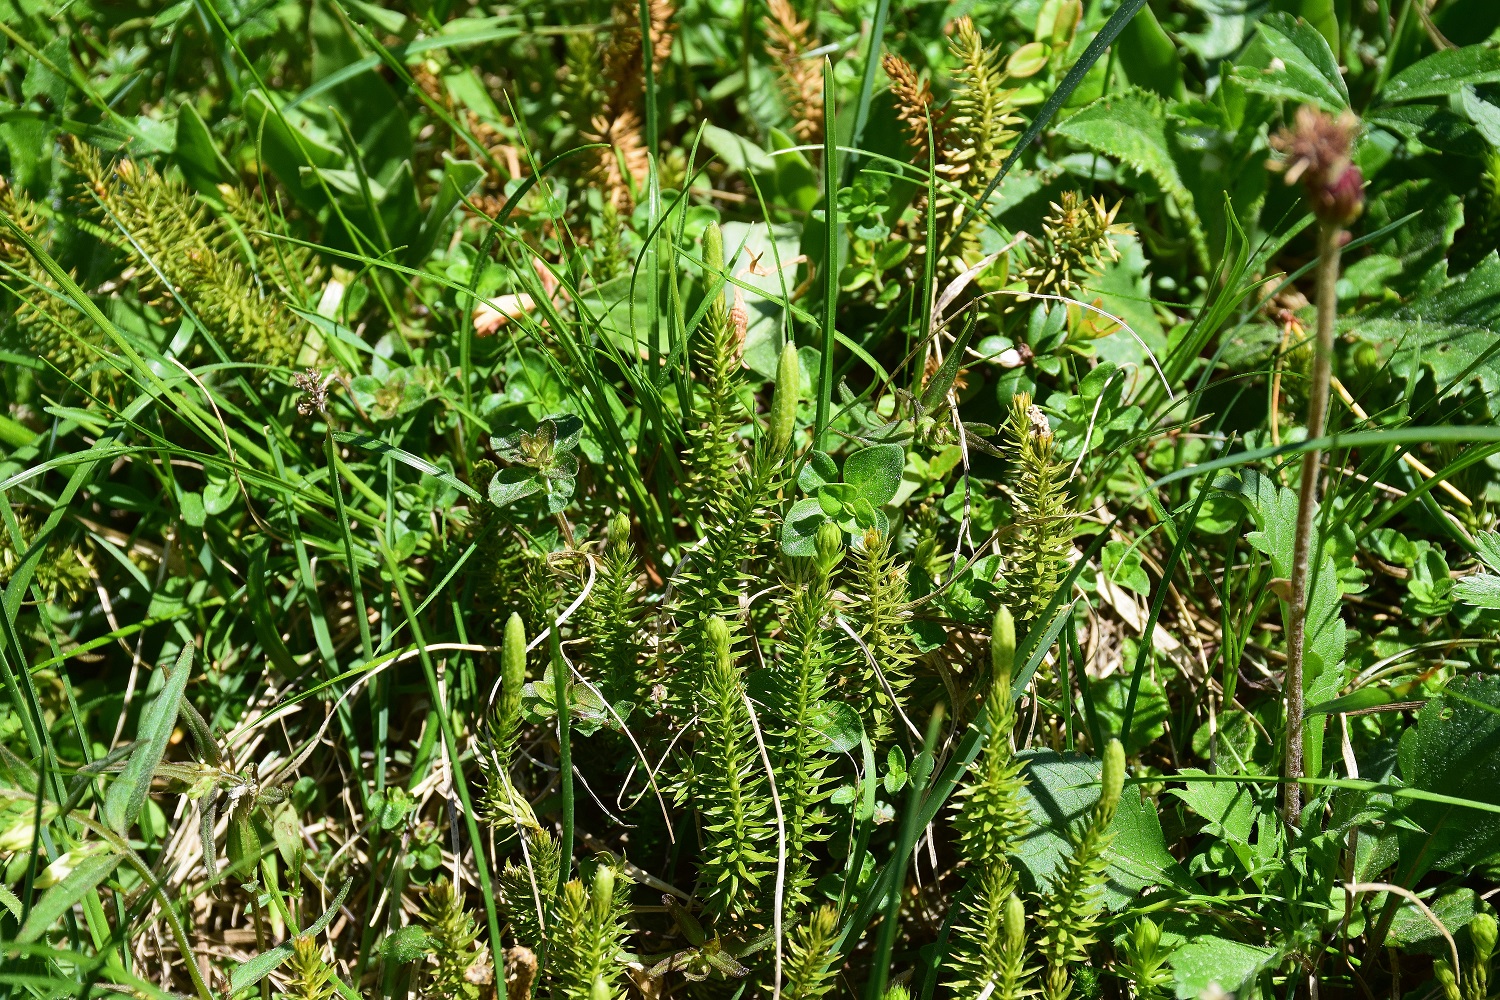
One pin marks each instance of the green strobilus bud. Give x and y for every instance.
(713, 253)
(603, 894)
(1003, 650)
(618, 532)
(1443, 973)
(512, 672)
(897, 992)
(1015, 924)
(600, 989)
(717, 634)
(1482, 931)
(830, 546)
(784, 400)
(1145, 938)
(1112, 778)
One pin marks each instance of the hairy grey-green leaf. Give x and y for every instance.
(62, 897)
(126, 796)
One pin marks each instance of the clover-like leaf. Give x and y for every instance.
(566, 430)
(876, 472)
(859, 515)
(819, 470)
(510, 485)
(800, 529)
(559, 492)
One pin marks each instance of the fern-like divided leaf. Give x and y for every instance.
(453, 934)
(527, 891)
(990, 957)
(811, 950)
(612, 619)
(589, 937)
(879, 617)
(190, 258)
(714, 450)
(44, 324)
(1069, 913)
(810, 655)
(308, 975)
(1037, 549)
(728, 786)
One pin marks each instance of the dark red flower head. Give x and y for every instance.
(1316, 151)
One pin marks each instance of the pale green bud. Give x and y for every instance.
(784, 400)
(897, 992)
(713, 253)
(604, 890)
(1443, 973)
(830, 545)
(1482, 931)
(1112, 778)
(1015, 924)
(512, 670)
(1003, 645)
(619, 531)
(717, 634)
(600, 989)
(1145, 939)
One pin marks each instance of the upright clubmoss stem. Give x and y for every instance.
(564, 755)
(830, 257)
(1329, 234)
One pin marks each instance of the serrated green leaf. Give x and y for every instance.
(1454, 749)
(1061, 790)
(1454, 907)
(1291, 61)
(1447, 332)
(1209, 961)
(127, 794)
(1488, 544)
(1132, 128)
(1273, 509)
(1443, 73)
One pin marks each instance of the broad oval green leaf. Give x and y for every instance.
(876, 472)
(800, 529)
(818, 470)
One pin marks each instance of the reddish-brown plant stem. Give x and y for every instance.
(1329, 235)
